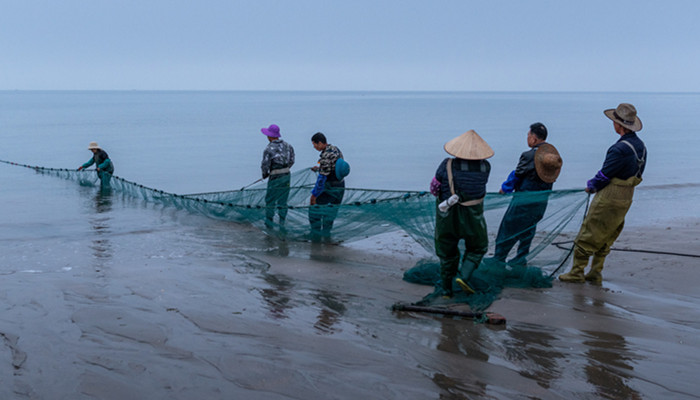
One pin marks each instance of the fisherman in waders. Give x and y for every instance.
(536, 171)
(103, 165)
(614, 188)
(460, 187)
(278, 158)
(328, 191)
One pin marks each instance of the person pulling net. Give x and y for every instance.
(462, 211)
(364, 213)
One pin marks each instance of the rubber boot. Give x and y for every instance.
(576, 273)
(595, 274)
(465, 286)
(446, 288)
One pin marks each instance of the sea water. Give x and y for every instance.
(193, 142)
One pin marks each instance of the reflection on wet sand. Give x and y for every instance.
(277, 297)
(609, 360)
(535, 350)
(330, 314)
(609, 365)
(459, 338)
(101, 246)
(323, 252)
(280, 297)
(280, 245)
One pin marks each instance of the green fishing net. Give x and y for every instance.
(367, 212)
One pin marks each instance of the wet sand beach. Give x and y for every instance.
(168, 318)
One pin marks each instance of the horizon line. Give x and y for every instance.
(354, 91)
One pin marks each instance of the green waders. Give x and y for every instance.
(276, 199)
(460, 222)
(601, 227)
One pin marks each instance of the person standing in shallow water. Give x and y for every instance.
(328, 190)
(536, 171)
(614, 188)
(277, 159)
(460, 183)
(103, 164)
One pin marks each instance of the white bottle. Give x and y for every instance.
(445, 205)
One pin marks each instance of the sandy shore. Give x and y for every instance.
(296, 321)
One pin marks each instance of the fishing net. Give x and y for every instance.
(362, 213)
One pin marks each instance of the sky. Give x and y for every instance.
(404, 45)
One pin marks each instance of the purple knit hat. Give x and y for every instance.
(272, 131)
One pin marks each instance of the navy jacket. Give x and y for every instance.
(524, 178)
(621, 162)
(469, 177)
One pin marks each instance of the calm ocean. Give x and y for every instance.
(191, 142)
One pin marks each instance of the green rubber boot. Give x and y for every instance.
(595, 274)
(576, 273)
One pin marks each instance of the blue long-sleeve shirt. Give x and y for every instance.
(621, 162)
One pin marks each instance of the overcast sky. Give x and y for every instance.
(525, 45)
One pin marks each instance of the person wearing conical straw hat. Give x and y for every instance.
(103, 164)
(613, 186)
(536, 171)
(460, 187)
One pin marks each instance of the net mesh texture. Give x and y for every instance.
(363, 213)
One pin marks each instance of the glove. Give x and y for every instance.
(80, 168)
(435, 187)
(599, 181)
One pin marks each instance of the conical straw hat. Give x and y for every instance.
(469, 146)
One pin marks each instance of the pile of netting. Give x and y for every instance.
(368, 212)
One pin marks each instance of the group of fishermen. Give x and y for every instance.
(460, 187)
(329, 188)
(278, 158)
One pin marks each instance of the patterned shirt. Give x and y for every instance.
(326, 161)
(277, 155)
(326, 168)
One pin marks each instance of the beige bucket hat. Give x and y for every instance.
(626, 115)
(548, 162)
(93, 145)
(469, 146)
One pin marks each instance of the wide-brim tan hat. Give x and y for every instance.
(93, 146)
(548, 162)
(626, 115)
(469, 146)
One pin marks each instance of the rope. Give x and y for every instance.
(564, 261)
(667, 253)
